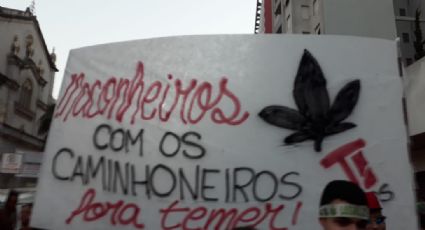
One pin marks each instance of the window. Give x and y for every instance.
(409, 61)
(278, 9)
(305, 12)
(402, 12)
(279, 30)
(317, 29)
(26, 94)
(288, 24)
(406, 38)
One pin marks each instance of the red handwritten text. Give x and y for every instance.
(198, 218)
(120, 213)
(352, 151)
(114, 98)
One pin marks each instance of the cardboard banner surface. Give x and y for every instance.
(218, 132)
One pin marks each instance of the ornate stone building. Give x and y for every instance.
(27, 71)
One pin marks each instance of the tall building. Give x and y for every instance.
(342, 17)
(405, 12)
(286, 16)
(377, 18)
(27, 71)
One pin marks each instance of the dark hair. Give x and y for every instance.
(28, 205)
(343, 190)
(11, 194)
(375, 210)
(422, 220)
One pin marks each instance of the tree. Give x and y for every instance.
(46, 119)
(419, 43)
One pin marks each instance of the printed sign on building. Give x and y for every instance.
(11, 162)
(219, 132)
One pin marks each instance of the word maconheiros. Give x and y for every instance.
(114, 98)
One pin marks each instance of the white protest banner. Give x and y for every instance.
(218, 132)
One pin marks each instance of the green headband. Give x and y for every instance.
(344, 210)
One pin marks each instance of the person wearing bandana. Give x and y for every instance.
(343, 206)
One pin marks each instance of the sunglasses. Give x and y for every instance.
(378, 220)
(344, 222)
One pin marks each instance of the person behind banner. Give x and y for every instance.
(26, 211)
(25, 218)
(8, 213)
(343, 206)
(376, 219)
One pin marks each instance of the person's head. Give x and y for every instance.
(26, 215)
(343, 206)
(12, 200)
(244, 228)
(376, 219)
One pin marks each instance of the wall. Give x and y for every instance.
(405, 25)
(360, 18)
(415, 94)
(301, 24)
(316, 16)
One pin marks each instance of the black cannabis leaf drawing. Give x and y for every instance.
(315, 118)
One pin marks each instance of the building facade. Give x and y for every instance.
(405, 12)
(342, 17)
(379, 18)
(27, 71)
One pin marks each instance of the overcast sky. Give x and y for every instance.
(72, 24)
